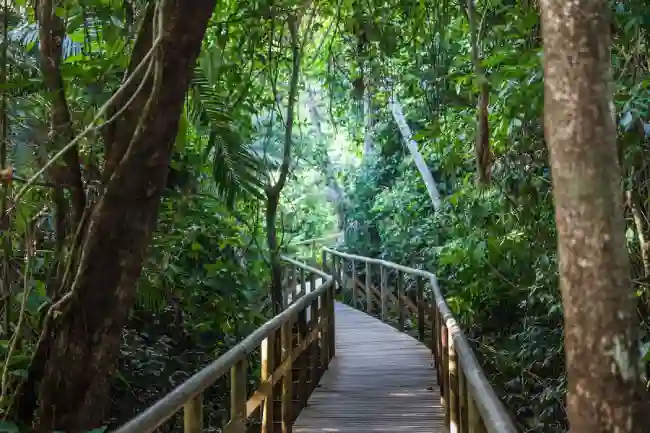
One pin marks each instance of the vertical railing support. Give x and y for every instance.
(287, 379)
(383, 290)
(354, 283)
(292, 285)
(303, 284)
(420, 304)
(462, 400)
(267, 367)
(474, 421)
(453, 385)
(238, 379)
(331, 318)
(400, 300)
(303, 388)
(193, 415)
(444, 367)
(314, 355)
(368, 288)
(324, 334)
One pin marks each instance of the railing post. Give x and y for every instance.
(267, 367)
(324, 260)
(383, 289)
(474, 422)
(400, 300)
(238, 379)
(337, 263)
(287, 379)
(354, 283)
(437, 340)
(420, 304)
(368, 288)
(303, 284)
(324, 333)
(293, 285)
(314, 352)
(453, 385)
(303, 388)
(444, 368)
(332, 325)
(193, 415)
(462, 400)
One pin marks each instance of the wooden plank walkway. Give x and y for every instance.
(381, 380)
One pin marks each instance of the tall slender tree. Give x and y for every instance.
(601, 326)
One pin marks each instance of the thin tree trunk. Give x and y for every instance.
(273, 191)
(51, 34)
(601, 327)
(412, 146)
(326, 162)
(69, 380)
(482, 151)
(369, 123)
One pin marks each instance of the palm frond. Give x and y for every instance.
(235, 166)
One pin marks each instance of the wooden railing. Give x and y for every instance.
(471, 405)
(299, 340)
(310, 249)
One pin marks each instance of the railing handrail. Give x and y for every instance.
(492, 410)
(172, 403)
(324, 238)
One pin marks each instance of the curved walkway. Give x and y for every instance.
(381, 380)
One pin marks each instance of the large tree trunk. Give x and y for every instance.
(601, 327)
(68, 388)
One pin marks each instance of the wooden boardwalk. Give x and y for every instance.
(381, 380)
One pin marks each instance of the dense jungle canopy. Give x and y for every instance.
(157, 158)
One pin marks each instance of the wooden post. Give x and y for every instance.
(453, 385)
(303, 284)
(238, 379)
(292, 281)
(444, 369)
(437, 335)
(324, 337)
(400, 300)
(324, 257)
(193, 415)
(287, 379)
(383, 289)
(314, 357)
(474, 421)
(267, 367)
(420, 303)
(303, 375)
(354, 283)
(462, 399)
(368, 288)
(332, 326)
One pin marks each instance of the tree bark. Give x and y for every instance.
(412, 146)
(51, 35)
(273, 191)
(369, 122)
(76, 356)
(601, 327)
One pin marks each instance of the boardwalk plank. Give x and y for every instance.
(381, 380)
